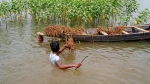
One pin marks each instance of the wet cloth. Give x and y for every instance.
(53, 58)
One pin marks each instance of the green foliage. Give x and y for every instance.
(109, 12)
(128, 8)
(142, 17)
(5, 8)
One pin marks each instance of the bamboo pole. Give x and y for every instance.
(124, 32)
(140, 29)
(104, 33)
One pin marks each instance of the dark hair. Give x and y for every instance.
(54, 46)
(40, 38)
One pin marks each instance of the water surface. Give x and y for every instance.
(24, 61)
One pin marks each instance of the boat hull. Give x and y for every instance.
(112, 38)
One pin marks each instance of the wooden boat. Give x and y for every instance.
(132, 33)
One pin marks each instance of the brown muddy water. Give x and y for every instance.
(24, 61)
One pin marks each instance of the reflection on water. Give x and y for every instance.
(24, 61)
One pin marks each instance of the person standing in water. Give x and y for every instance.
(55, 59)
(56, 50)
(40, 37)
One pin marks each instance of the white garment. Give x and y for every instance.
(53, 58)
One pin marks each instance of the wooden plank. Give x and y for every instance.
(104, 33)
(140, 29)
(128, 26)
(124, 32)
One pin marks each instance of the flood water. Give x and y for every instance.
(24, 61)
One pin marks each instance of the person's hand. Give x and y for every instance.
(67, 45)
(77, 65)
(70, 45)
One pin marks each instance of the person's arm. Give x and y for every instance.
(62, 49)
(66, 66)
